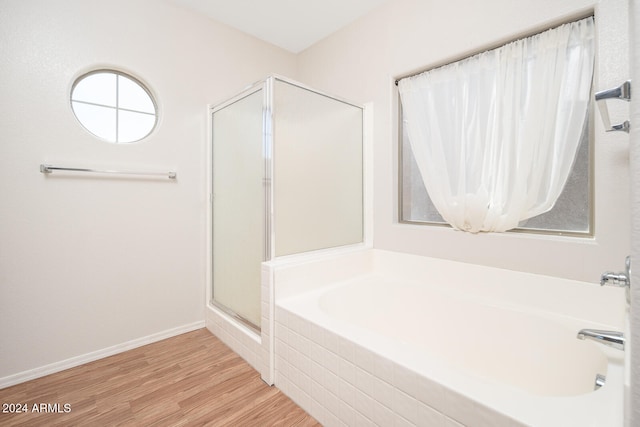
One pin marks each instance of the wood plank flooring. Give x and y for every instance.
(189, 380)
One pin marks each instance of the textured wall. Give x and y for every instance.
(361, 61)
(87, 262)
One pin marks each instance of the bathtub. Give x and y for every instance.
(373, 337)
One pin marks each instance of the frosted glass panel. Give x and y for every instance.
(318, 201)
(238, 206)
(100, 120)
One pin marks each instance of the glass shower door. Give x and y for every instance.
(238, 206)
(318, 171)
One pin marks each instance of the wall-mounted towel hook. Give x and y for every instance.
(622, 92)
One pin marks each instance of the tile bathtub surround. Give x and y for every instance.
(342, 384)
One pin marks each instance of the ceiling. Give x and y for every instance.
(293, 25)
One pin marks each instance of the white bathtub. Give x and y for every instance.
(382, 338)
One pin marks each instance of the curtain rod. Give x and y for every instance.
(578, 17)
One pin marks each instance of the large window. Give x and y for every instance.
(569, 213)
(572, 213)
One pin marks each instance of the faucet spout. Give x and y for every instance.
(609, 338)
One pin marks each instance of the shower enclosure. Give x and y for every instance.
(287, 177)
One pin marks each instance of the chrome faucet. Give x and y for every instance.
(609, 338)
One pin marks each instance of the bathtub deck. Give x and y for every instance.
(373, 338)
(191, 379)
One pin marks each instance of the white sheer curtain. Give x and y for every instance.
(495, 135)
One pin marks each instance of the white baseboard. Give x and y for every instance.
(95, 355)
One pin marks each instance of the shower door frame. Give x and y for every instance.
(257, 347)
(268, 134)
(267, 202)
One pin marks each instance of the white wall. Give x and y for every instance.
(87, 263)
(361, 62)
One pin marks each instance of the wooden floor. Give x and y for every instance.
(189, 380)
